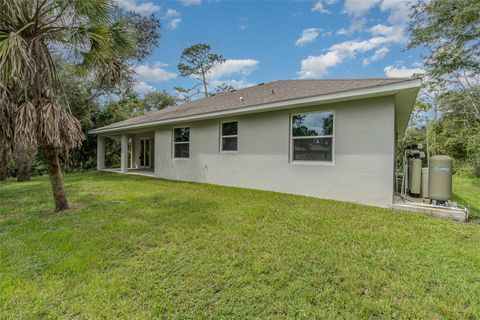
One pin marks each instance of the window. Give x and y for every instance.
(181, 142)
(229, 136)
(312, 137)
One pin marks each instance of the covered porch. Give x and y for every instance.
(137, 150)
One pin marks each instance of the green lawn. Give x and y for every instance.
(141, 248)
(467, 192)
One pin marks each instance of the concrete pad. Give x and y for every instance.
(452, 213)
(136, 172)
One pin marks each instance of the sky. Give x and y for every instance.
(264, 41)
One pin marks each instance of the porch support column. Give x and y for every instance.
(124, 153)
(135, 151)
(100, 152)
(156, 156)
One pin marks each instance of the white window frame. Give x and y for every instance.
(181, 142)
(228, 136)
(312, 162)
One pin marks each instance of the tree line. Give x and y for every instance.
(96, 105)
(447, 119)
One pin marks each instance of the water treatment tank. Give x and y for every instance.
(416, 177)
(440, 178)
(409, 164)
(424, 182)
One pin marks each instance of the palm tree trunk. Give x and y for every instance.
(66, 161)
(25, 160)
(56, 178)
(3, 163)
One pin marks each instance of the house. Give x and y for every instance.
(332, 139)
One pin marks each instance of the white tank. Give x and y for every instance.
(424, 182)
(440, 178)
(416, 177)
(409, 185)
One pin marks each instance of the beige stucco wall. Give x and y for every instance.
(363, 154)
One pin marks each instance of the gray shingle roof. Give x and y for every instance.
(282, 90)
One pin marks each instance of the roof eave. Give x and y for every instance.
(404, 104)
(369, 92)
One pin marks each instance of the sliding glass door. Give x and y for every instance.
(145, 153)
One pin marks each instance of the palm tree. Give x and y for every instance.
(34, 36)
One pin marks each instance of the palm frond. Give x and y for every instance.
(15, 14)
(26, 125)
(32, 34)
(108, 47)
(122, 36)
(97, 11)
(48, 123)
(58, 127)
(71, 134)
(15, 58)
(6, 115)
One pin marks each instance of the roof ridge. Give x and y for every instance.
(347, 79)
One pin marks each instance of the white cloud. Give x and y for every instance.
(318, 6)
(317, 66)
(308, 35)
(188, 3)
(356, 25)
(154, 73)
(233, 66)
(357, 8)
(135, 6)
(383, 36)
(232, 72)
(380, 30)
(237, 84)
(402, 71)
(171, 13)
(399, 10)
(173, 24)
(378, 55)
(353, 46)
(243, 23)
(142, 87)
(172, 17)
(394, 33)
